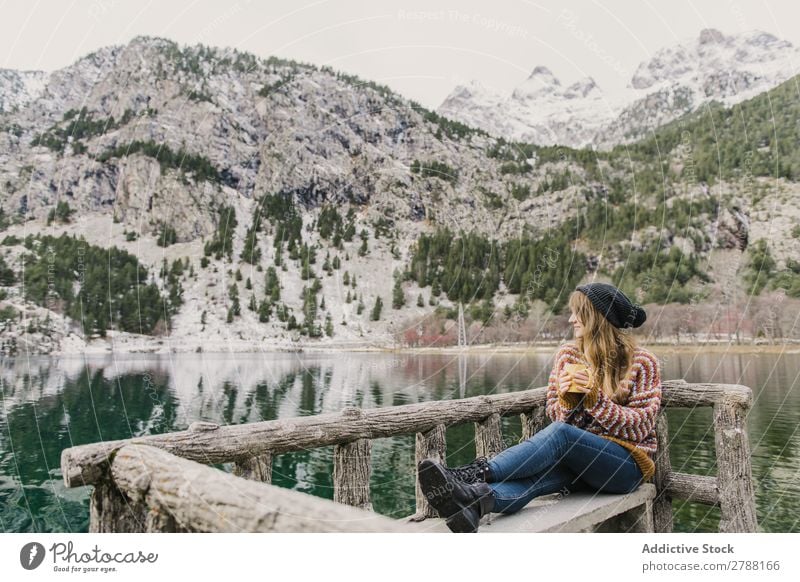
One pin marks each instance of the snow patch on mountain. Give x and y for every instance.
(675, 81)
(18, 88)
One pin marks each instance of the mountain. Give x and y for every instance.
(150, 142)
(675, 81)
(18, 88)
(540, 110)
(160, 197)
(262, 125)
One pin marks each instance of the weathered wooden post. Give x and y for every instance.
(662, 504)
(159, 520)
(533, 421)
(431, 444)
(111, 511)
(114, 511)
(257, 468)
(734, 474)
(489, 437)
(351, 473)
(636, 520)
(352, 469)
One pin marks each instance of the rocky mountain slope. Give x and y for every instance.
(146, 147)
(262, 125)
(677, 80)
(18, 88)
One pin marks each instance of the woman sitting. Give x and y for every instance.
(602, 435)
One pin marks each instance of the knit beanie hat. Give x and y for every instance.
(614, 305)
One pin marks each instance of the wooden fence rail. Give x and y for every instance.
(252, 447)
(164, 493)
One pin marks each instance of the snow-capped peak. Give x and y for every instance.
(582, 88)
(543, 75)
(710, 66)
(710, 36)
(541, 82)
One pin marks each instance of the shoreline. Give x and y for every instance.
(792, 348)
(237, 347)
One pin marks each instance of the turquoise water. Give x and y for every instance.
(51, 404)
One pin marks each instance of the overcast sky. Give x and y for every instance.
(422, 49)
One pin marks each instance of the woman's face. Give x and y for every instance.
(577, 326)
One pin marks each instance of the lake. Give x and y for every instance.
(50, 404)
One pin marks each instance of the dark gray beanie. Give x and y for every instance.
(614, 305)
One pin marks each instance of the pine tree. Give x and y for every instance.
(398, 297)
(264, 311)
(328, 326)
(166, 236)
(234, 296)
(375, 315)
(305, 272)
(251, 252)
(272, 286)
(309, 310)
(360, 306)
(420, 301)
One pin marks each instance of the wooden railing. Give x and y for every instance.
(166, 493)
(160, 500)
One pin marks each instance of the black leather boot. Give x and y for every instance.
(461, 504)
(474, 472)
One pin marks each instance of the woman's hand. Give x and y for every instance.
(565, 381)
(582, 382)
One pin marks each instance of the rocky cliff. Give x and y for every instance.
(150, 137)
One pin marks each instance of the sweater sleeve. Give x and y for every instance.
(558, 406)
(637, 419)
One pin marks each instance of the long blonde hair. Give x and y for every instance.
(608, 349)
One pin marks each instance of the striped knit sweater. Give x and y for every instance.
(629, 418)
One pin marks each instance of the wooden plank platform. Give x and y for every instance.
(577, 512)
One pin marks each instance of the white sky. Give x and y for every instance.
(422, 49)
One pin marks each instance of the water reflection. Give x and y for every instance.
(51, 404)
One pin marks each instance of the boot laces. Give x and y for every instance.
(472, 472)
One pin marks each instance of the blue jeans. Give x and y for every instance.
(560, 457)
